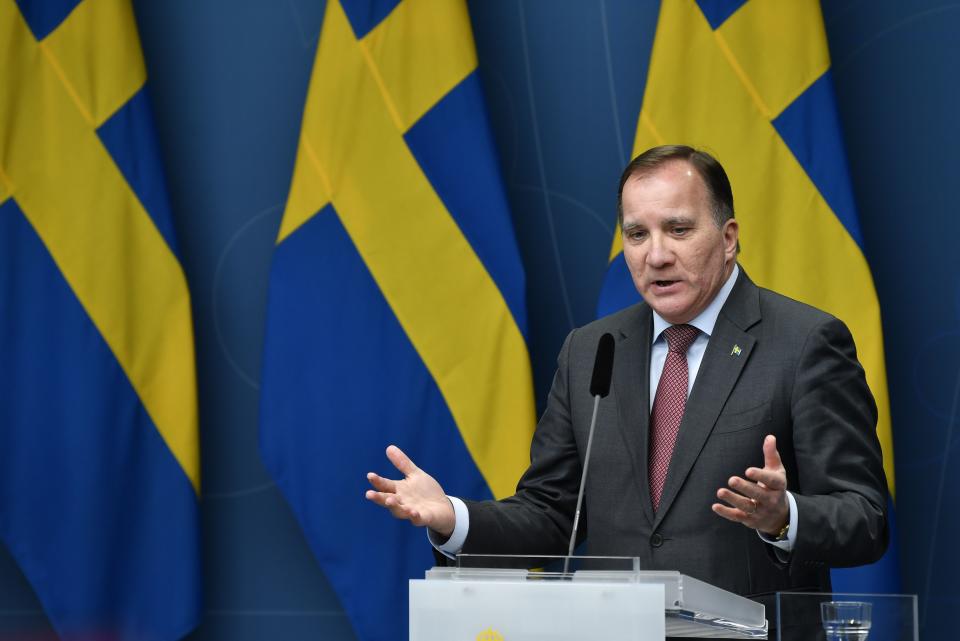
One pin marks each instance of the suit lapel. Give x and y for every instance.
(724, 359)
(631, 381)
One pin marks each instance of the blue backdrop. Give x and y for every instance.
(564, 84)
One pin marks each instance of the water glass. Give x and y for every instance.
(846, 620)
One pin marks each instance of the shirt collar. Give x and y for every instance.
(706, 319)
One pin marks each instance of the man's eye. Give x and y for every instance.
(637, 235)
(681, 231)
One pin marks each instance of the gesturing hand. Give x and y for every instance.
(417, 498)
(760, 503)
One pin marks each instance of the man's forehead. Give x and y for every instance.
(678, 182)
(672, 169)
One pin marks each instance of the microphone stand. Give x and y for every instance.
(583, 484)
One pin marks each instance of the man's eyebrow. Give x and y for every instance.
(631, 226)
(678, 220)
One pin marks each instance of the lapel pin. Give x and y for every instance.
(735, 351)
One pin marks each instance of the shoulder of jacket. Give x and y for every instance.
(615, 323)
(773, 305)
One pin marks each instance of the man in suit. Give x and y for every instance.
(738, 444)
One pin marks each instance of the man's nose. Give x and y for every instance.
(659, 252)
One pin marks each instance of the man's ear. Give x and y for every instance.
(731, 237)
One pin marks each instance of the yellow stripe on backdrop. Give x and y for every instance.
(401, 56)
(713, 90)
(778, 48)
(92, 223)
(402, 50)
(101, 78)
(352, 153)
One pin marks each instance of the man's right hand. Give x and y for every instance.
(417, 498)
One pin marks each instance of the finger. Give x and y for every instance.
(392, 503)
(745, 505)
(396, 506)
(400, 460)
(382, 484)
(729, 513)
(771, 457)
(774, 480)
(745, 487)
(380, 498)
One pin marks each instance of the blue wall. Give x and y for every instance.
(564, 84)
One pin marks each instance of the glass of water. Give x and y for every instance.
(846, 620)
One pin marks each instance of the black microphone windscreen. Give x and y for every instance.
(602, 367)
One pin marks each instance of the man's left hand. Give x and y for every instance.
(760, 500)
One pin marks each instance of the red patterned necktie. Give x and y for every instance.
(668, 406)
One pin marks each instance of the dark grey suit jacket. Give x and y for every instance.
(796, 376)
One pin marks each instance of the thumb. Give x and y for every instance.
(400, 460)
(771, 457)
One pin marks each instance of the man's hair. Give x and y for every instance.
(710, 171)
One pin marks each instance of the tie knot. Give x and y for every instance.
(680, 337)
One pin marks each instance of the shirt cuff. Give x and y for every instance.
(452, 546)
(787, 544)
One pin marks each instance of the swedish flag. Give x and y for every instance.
(396, 306)
(749, 81)
(99, 461)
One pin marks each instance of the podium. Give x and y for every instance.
(491, 598)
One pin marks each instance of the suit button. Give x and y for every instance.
(656, 540)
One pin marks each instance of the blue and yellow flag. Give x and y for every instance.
(99, 461)
(749, 81)
(396, 308)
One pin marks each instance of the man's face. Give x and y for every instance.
(677, 256)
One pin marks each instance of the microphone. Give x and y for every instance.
(599, 388)
(602, 367)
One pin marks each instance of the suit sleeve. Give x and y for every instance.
(841, 487)
(538, 518)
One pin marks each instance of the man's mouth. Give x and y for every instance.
(664, 283)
